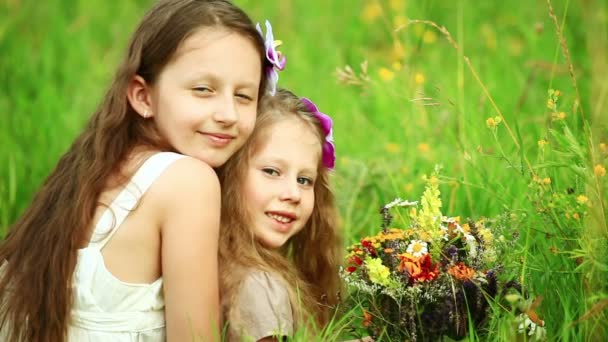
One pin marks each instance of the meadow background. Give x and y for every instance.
(471, 95)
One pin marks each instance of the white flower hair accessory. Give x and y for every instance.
(276, 59)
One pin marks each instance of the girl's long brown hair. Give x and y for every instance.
(308, 263)
(41, 247)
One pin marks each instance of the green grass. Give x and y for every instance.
(57, 58)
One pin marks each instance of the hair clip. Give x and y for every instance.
(329, 149)
(276, 59)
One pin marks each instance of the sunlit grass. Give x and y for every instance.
(415, 103)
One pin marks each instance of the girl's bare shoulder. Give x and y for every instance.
(187, 182)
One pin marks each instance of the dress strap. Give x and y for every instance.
(128, 198)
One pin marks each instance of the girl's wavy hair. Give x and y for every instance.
(42, 245)
(308, 263)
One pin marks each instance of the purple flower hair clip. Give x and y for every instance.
(276, 59)
(329, 149)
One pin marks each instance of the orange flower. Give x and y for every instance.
(419, 269)
(461, 271)
(367, 318)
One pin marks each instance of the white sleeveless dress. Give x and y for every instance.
(106, 308)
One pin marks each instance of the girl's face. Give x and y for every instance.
(279, 185)
(204, 101)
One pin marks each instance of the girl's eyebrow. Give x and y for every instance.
(214, 78)
(281, 162)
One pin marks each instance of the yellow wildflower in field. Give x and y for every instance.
(371, 11)
(603, 148)
(400, 21)
(423, 147)
(546, 180)
(419, 78)
(576, 216)
(550, 103)
(429, 37)
(493, 122)
(558, 116)
(486, 235)
(557, 93)
(599, 170)
(377, 272)
(386, 74)
(392, 147)
(582, 199)
(397, 5)
(542, 143)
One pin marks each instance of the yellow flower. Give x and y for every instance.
(491, 123)
(582, 199)
(486, 235)
(397, 5)
(386, 74)
(542, 143)
(599, 170)
(423, 147)
(392, 147)
(550, 103)
(557, 93)
(400, 20)
(558, 116)
(576, 216)
(371, 11)
(377, 272)
(546, 180)
(429, 37)
(603, 148)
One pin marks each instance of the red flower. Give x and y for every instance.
(369, 248)
(351, 269)
(419, 269)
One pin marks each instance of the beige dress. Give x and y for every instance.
(262, 309)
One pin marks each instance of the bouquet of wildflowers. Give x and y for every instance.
(432, 279)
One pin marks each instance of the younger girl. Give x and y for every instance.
(279, 242)
(115, 246)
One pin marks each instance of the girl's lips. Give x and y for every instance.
(282, 221)
(219, 139)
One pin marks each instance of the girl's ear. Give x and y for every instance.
(139, 96)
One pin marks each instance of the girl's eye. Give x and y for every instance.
(245, 97)
(202, 89)
(305, 181)
(270, 171)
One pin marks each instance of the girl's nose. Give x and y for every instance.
(291, 192)
(226, 112)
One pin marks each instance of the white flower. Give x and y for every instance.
(400, 203)
(417, 248)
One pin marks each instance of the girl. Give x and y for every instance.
(115, 246)
(279, 242)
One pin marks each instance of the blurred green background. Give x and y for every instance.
(403, 99)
